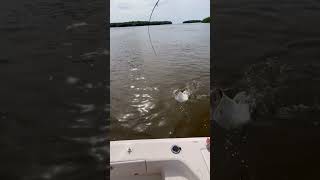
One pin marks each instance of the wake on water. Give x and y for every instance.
(263, 96)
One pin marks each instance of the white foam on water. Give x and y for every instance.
(125, 117)
(125, 125)
(76, 25)
(146, 96)
(55, 170)
(89, 55)
(72, 80)
(202, 96)
(146, 100)
(140, 78)
(138, 105)
(140, 128)
(79, 126)
(91, 140)
(135, 100)
(154, 115)
(98, 152)
(86, 107)
(89, 85)
(162, 123)
(134, 69)
(144, 107)
(81, 120)
(148, 89)
(95, 53)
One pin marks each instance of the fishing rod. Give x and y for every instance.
(149, 27)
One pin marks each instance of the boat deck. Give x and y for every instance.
(157, 159)
(147, 177)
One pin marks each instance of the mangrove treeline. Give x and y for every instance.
(145, 23)
(192, 21)
(139, 23)
(205, 20)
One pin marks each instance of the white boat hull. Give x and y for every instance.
(154, 159)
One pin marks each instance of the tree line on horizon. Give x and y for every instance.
(145, 23)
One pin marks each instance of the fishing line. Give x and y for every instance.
(149, 27)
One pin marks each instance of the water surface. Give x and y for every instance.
(144, 85)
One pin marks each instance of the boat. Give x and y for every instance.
(160, 159)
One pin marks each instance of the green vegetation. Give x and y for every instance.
(206, 20)
(139, 23)
(192, 21)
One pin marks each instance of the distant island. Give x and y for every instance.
(139, 23)
(206, 20)
(145, 23)
(192, 21)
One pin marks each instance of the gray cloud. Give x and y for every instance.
(172, 10)
(123, 6)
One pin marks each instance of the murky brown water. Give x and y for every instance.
(144, 86)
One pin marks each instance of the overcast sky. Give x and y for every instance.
(168, 10)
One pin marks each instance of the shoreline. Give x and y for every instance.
(155, 23)
(158, 25)
(139, 23)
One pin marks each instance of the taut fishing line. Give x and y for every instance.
(149, 27)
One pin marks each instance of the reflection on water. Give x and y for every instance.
(144, 86)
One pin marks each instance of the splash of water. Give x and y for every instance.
(232, 113)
